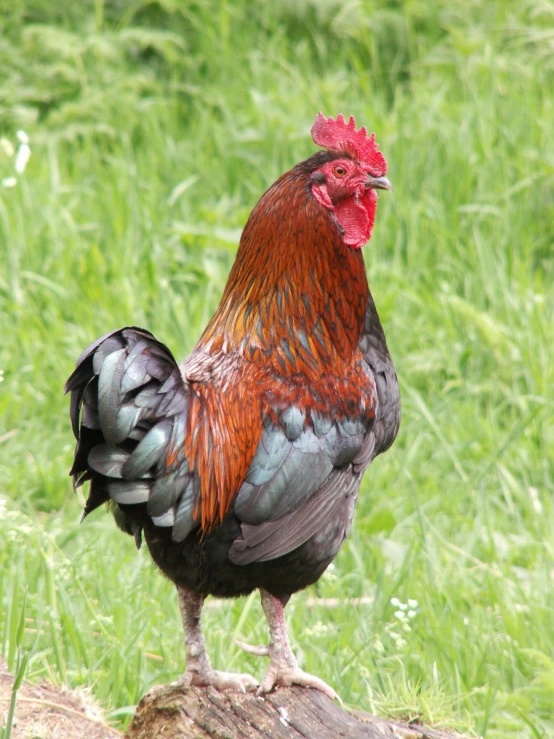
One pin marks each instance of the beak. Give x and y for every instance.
(378, 183)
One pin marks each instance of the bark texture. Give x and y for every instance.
(174, 712)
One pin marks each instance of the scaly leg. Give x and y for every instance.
(283, 668)
(199, 669)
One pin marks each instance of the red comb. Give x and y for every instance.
(341, 136)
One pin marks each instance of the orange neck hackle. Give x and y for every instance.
(296, 295)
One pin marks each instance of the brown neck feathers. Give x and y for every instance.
(296, 295)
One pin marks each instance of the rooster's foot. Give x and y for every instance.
(199, 670)
(283, 668)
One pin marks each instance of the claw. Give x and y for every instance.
(258, 651)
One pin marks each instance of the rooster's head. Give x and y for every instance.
(346, 184)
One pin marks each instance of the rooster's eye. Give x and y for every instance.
(339, 171)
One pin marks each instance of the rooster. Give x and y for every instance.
(241, 466)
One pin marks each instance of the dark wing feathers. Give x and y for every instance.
(333, 503)
(299, 479)
(373, 346)
(129, 408)
(272, 451)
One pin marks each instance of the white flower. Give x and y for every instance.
(412, 603)
(22, 157)
(319, 629)
(6, 147)
(9, 182)
(395, 602)
(400, 615)
(412, 614)
(534, 495)
(22, 137)
(1, 375)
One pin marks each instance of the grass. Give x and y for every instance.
(154, 128)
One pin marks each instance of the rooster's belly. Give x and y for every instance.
(203, 564)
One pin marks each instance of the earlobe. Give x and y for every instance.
(320, 194)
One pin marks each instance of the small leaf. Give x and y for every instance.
(20, 674)
(21, 627)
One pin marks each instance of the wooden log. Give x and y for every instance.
(175, 712)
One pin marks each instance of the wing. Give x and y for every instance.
(373, 346)
(301, 477)
(307, 472)
(129, 412)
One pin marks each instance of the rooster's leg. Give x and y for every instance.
(199, 669)
(283, 668)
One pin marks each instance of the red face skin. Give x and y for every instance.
(348, 191)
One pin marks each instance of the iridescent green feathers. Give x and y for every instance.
(129, 409)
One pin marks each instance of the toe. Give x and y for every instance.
(240, 682)
(312, 681)
(294, 676)
(258, 651)
(266, 686)
(232, 681)
(248, 682)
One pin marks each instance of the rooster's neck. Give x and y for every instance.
(296, 295)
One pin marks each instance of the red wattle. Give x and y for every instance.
(356, 216)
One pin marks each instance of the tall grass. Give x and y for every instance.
(154, 128)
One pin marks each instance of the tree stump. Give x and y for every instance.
(175, 712)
